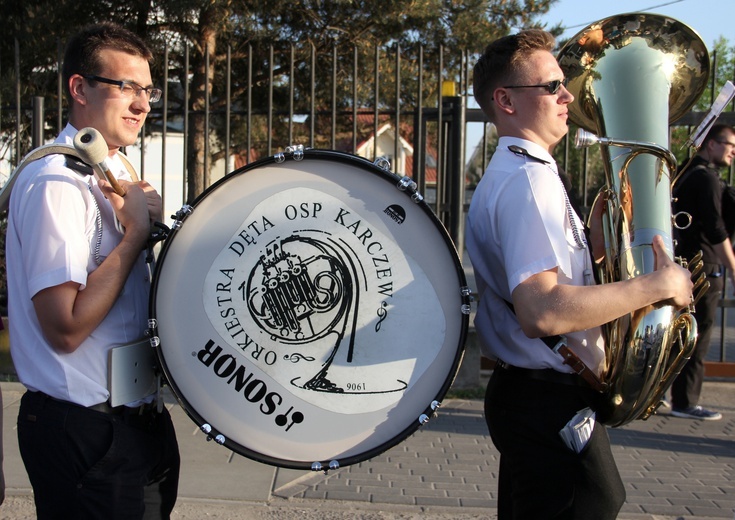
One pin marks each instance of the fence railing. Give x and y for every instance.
(432, 119)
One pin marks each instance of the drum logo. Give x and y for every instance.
(318, 296)
(301, 291)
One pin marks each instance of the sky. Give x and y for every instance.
(709, 18)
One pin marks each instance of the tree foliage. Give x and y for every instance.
(262, 41)
(722, 58)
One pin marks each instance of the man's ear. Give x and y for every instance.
(78, 89)
(503, 101)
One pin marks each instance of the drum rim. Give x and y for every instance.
(413, 426)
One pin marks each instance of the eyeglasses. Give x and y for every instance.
(129, 88)
(728, 143)
(552, 87)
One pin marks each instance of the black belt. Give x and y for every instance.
(547, 375)
(105, 407)
(123, 410)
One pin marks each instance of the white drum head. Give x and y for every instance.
(309, 311)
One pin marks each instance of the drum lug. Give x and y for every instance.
(383, 163)
(407, 184)
(466, 308)
(317, 466)
(154, 340)
(180, 215)
(424, 417)
(207, 428)
(295, 150)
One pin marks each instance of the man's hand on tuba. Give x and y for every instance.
(673, 278)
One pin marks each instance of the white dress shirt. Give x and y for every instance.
(518, 226)
(53, 232)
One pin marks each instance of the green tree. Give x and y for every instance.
(722, 58)
(262, 37)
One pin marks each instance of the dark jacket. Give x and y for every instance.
(699, 193)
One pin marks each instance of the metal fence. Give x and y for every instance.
(424, 122)
(438, 118)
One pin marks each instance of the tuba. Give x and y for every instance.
(631, 76)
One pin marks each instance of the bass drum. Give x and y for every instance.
(310, 310)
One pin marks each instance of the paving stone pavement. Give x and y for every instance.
(673, 469)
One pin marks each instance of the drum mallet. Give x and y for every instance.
(93, 150)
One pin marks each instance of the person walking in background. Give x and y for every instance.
(533, 270)
(699, 192)
(78, 286)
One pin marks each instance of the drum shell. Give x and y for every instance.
(234, 371)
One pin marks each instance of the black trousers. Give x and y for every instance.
(687, 387)
(85, 464)
(540, 477)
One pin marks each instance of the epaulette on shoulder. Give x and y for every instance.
(79, 166)
(525, 153)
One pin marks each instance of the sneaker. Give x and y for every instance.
(696, 412)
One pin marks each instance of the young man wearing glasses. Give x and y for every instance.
(533, 271)
(78, 286)
(699, 192)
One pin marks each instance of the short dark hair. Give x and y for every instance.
(83, 49)
(502, 60)
(716, 132)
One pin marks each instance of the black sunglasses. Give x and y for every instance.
(552, 87)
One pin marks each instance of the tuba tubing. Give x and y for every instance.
(631, 76)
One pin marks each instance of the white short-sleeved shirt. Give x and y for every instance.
(518, 226)
(53, 232)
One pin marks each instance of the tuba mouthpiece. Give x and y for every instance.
(584, 139)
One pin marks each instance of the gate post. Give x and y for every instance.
(37, 125)
(454, 137)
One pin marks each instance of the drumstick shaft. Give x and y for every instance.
(104, 173)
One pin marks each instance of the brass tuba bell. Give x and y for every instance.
(631, 76)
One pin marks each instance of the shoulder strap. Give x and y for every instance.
(128, 166)
(69, 151)
(569, 358)
(33, 155)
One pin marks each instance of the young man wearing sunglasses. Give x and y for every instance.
(534, 276)
(78, 286)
